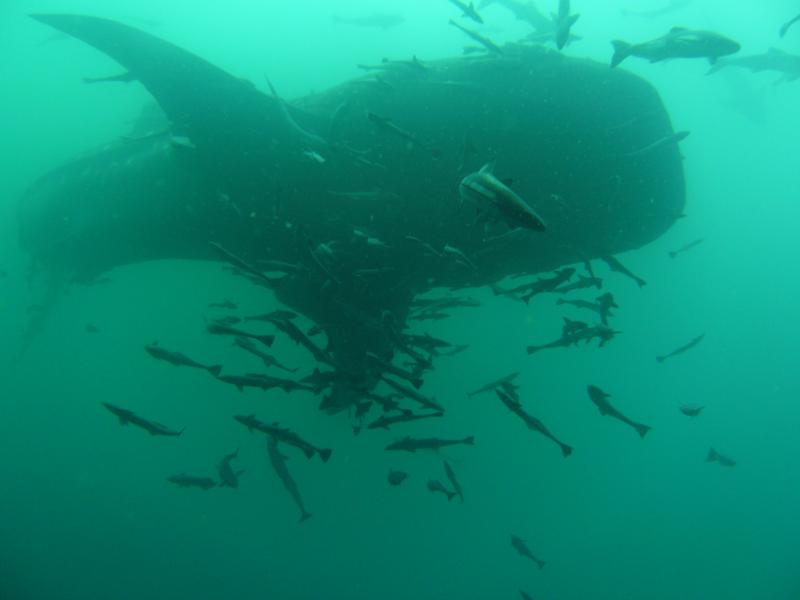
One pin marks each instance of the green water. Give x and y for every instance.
(85, 511)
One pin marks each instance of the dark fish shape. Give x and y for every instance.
(278, 462)
(92, 328)
(279, 314)
(287, 385)
(524, 10)
(237, 262)
(297, 336)
(563, 23)
(434, 485)
(320, 380)
(600, 399)
(178, 359)
(377, 20)
(186, 481)
(226, 304)
(395, 478)
(121, 78)
(455, 350)
(483, 41)
(531, 422)
(682, 349)
(678, 43)
(426, 342)
(495, 200)
(284, 435)
(385, 422)
(229, 320)
(714, 456)
(451, 476)
(218, 328)
(785, 27)
(467, 10)
(126, 416)
(618, 267)
(227, 476)
(663, 142)
(520, 546)
(492, 385)
(387, 367)
(268, 360)
(413, 394)
(602, 305)
(775, 60)
(685, 248)
(691, 410)
(240, 382)
(575, 332)
(410, 444)
(583, 283)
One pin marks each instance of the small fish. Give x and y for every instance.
(226, 304)
(483, 41)
(218, 328)
(278, 462)
(284, 435)
(602, 305)
(496, 200)
(178, 359)
(691, 410)
(384, 422)
(563, 23)
(126, 416)
(185, 481)
(583, 283)
(600, 399)
(413, 394)
(434, 485)
(575, 332)
(615, 265)
(682, 349)
(269, 361)
(785, 27)
(520, 546)
(531, 422)
(678, 43)
(492, 385)
(451, 476)
(468, 10)
(685, 247)
(714, 456)
(92, 328)
(410, 444)
(227, 476)
(395, 478)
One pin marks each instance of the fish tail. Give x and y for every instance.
(541, 564)
(532, 349)
(566, 450)
(622, 50)
(215, 370)
(325, 454)
(305, 516)
(642, 430)
(661, 358)
(309, 452)
(712, 455)
(267, 340)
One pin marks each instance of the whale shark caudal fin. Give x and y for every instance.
(622, 50)
(202, 101)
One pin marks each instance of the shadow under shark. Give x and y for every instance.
(269, 180)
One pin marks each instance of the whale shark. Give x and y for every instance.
(289, 182)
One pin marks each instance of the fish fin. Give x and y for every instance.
(661, 358)
(566, 450)
(267, 340)
(325, 454)
(712, 455)
(309, 452)
(531, 349)
(305, 516)
(642, 430)
(215, 370)
(622, 50)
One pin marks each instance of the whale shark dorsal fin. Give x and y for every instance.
(488, 168)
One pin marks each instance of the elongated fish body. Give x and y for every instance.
(228, 477)
(688, 346)
(384, 422)
(285, 435)
(177, 359)
(563, 23)
(451, 476)
(600, 399)
(410, 444)
(532, 422)
(186, 481)
(278, 462)
(434, 485)
(520, 546)
(785, 27)
(494, 384)
(773, 60)
(678, 43)
(494, 197)
(126, 416)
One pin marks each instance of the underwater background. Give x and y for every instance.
(85, 508)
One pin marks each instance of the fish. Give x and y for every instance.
(229, 320)
(670, 7)
(451, 476)
(285, 436)
(520, 546)
(527, 291)
(126, 77)
(395, 478)
(269, 361)
(575, 332)
(492, 385)
(496, 199)
(377, 20)
(563, 23)
(413, 394)
(531, 422)
(386, 124)
(691, 410)
(583, 283)
(237, 262)
(434, 485)
(468, 10)
(410, 444)
(785, 27)
(384, 422)
(663, 142)
(178, 359)
(774, 59)
(678, 43)
(714, 456)
(600, 399)
(483, 41)
(92, 328)
(685, 248)
(185, 481)
(297, 336)
(413, 379)
(682, 349)
(602, 305)
(226, 304)
(228, 477)
(278, 462)
(616, 266)
(218, 328)
(524, 10)
(126, 416)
